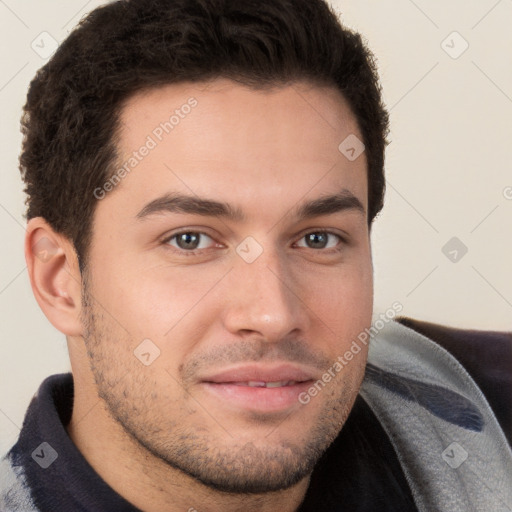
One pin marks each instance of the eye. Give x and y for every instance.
(320, 240)
(189, 241)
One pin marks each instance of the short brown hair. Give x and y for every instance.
(71, 116)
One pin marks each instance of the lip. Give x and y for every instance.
(231, 387)
(266, 373)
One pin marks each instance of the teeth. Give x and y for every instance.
(261, 384)
(277, 384)
(254, 384)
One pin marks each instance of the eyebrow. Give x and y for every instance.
(182, 203)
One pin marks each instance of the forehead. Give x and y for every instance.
(224, 140)
(296, 112)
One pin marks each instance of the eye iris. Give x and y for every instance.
(187, 240)
(317, 240)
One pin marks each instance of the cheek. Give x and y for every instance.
(347, 289)
(130, 289)
(341, 303)
(164, 304)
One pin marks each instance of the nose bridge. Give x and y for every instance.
(263, 297)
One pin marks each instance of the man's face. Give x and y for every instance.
(259, 291)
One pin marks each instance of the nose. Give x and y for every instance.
(264, 299)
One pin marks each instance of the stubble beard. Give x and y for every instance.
(219, 462)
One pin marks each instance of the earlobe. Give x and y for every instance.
(54, 275)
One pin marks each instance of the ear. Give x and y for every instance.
(54, 274)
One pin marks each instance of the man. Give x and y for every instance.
(202, 177)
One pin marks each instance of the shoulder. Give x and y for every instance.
(14, 490)
(486, 356)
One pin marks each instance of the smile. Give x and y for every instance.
(259, 388)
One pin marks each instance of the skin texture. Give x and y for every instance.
(157, 434)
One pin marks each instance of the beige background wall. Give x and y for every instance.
(449, 169)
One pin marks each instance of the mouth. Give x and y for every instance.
(257, 388)
(263, 384)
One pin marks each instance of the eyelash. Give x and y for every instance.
(195, 252)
